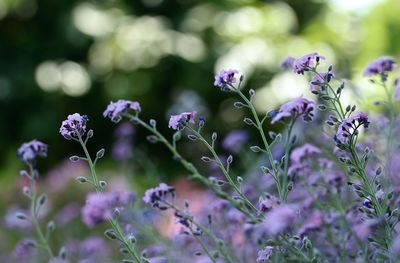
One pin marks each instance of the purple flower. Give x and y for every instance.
(74, 125)
(235, 140)
(296, 107)
(24, 250)
(279, 219)
(318, 82)
(287, 63)
(267, 203)
(314, 222)
(350, 126)
(93, 245)
(116, 109)
(30, 150)
(300, 153)
(177, 122)
(380, 66)
(156, 196)
(306, 62)
(225, 77)
(264, 254)
(100, 207)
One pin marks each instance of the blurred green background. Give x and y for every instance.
(61, 57)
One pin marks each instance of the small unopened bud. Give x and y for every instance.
(238, 105)
(206, 159)
(230, 159)
(103, 184)
(192, 137)
(132, 239)
(152, 138)
(239, 180)
(110, 234)
(100, 153)
(251, 93)
(248, 121)
(81, 179)
(153, 123)
(74, 158)
(90, 133)
(20, 216)
(62, 253)
(42, 199)
(214, 136)
(23, 173)
(130, 261)
(26, 191)
(255, 149)
(51, 226)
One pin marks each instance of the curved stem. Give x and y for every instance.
(286, 164)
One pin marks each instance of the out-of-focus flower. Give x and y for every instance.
(93, 245)
(24, 250)
(287, 63)
(379, 66)
(296, 107)
(74, 125)
(306, 62)
(303, 151)
(178, 122)
(279, 219)
(264, 254)
(225, 77)
(235, 140)
(116, 109)
(100, 207)
(349, 127)
(314, 222)
(28, 151)
(156, 196)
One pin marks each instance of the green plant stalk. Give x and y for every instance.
(203, 246)
(286, 164)
(114, 223)
(336, 103)
(267, 147)
(224, 170)
(44, 242)
(195, 174)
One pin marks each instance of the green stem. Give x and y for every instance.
(267, 147)
(286, 164)
(203, 246)
(191, 168)
(114, 224)
(44, 242)
(224, 170)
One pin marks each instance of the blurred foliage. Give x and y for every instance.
(61, 57)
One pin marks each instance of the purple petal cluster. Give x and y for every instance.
(116, 109)
(379, 66)
(74, 125)
(287, 63)
(265, 254)
(350, 126)
(178, 122)
(306, 62)
(301, 152)
(296, 107)
(100, 207)
(225, 77)
(28, 151)
(156, 196)
(24, 250)
(279, 219)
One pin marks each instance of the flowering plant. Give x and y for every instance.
(332, 199)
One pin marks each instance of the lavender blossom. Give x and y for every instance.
(178, 122)
(301, 152)
(28, 152)
(100, 207)
(74, 125)
(306, 62)
(116, 109)
(296, 107)
(379, 66)
(350, 126)
(225, 77)
(24, 250)
(235, 140)
(279, 219)
(156, 196)
(287, 63)
(265, 254)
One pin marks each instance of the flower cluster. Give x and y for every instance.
(306, 63)
(225, 77)
(297, 107)
(28, 152)
(74, 126)
(157, 196)
(379, 66)
(319, 81)
(178, 122)
(101, 207)
(349, 127)
(116, 109)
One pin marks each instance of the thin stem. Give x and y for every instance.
(286, 164)
(224, 170)
(44, 242)
(191, 168)
(203, 246)
(267, 147)
(114, 223)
